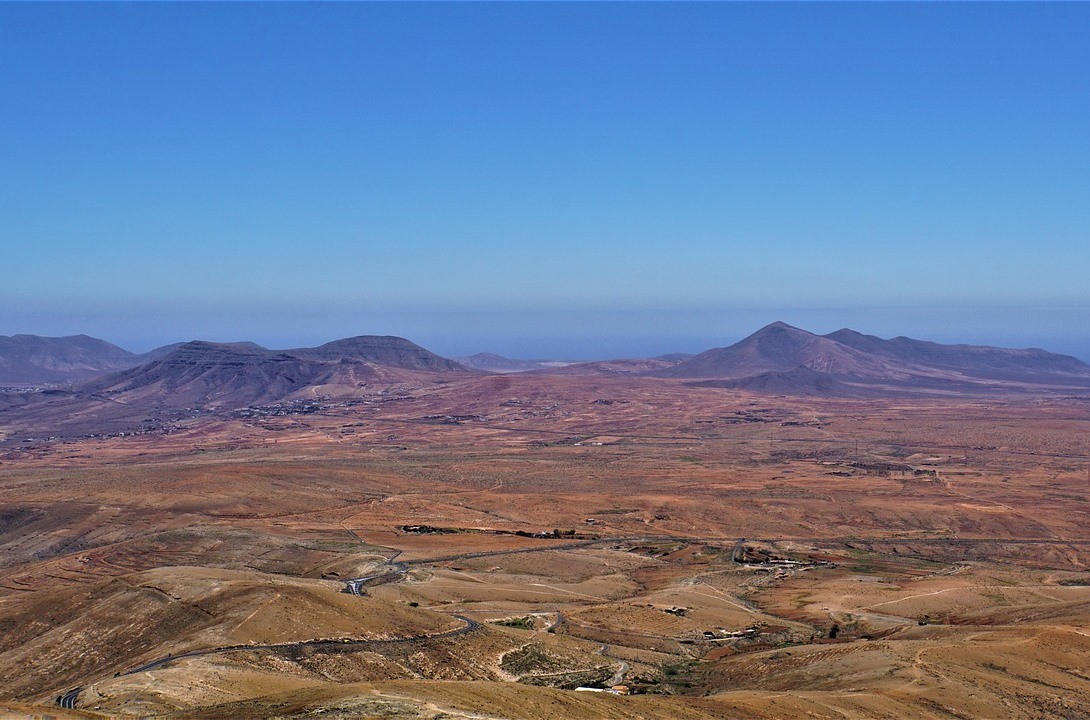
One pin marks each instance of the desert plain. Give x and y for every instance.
(543, 545)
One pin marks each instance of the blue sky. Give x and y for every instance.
(561, 180)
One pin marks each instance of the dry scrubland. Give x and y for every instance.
(709, 543)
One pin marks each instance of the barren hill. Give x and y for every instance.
(978, 360)
(56, 360)
(780, 347)
(36, 360)
(231, 375)
(382, 350)
(218, 377)
(787, 360)
(203, 373)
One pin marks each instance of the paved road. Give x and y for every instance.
(68, 700)
(618, 677)
(354, 586)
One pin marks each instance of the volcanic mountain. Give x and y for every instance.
(784, 359)
(385, 350)
(977, 360)
(203, 373)
(38, 360)
(222, 377)
(233, 375)
(777, 348)
(32, 359)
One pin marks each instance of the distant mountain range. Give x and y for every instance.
(200, 374)
(35, 360)
(783, 359)
(778, 359)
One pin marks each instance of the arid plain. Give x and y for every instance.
(711, 552)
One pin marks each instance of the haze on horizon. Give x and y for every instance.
(551, 180)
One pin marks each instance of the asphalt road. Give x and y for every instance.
(68, 700)
(618, 677)
(354, 586)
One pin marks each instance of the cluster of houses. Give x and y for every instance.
(722, 634)
(284, 409)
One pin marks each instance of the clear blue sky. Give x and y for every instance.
(565, 180)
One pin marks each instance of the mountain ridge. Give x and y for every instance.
(239, 374)
(777, 358)
(849, 363)
(34, 359)
(75, 359)
(389, 350)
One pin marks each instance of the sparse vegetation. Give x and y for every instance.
(242, 534)
(523, 623)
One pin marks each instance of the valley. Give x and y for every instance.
(711, 552)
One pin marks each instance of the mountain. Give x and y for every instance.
(37, 360)
(167, 349)
(33, 359)
(204, 373)
(221, 377)
(787, 360)
(234, 375)
(980, 360)
(776, 348)
(381, 350)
